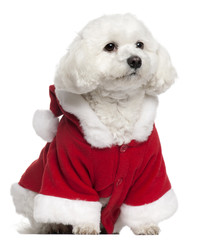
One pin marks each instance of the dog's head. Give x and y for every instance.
(116, 53)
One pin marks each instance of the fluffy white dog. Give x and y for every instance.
(116, 64)
(109, 80)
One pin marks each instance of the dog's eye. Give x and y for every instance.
(110, 47)
(140, 45)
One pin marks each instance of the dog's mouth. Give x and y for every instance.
(127, 75)
(132, 74)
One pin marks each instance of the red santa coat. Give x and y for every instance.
(70, 168)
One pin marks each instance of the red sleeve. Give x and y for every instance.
(151, 180)
(68, 172)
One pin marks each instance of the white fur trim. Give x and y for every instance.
(40, 209)
(95, 132)
(48, 209)
(144, 125)
(151, 213)
(45, 124)
(24, 203)
(23, 200)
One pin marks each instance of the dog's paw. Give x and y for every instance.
(56, 229)
(85, 229)
(148, 229)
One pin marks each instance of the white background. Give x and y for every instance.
(33, 37)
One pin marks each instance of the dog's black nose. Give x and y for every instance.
(134, 62)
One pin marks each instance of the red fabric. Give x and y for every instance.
(69, 167)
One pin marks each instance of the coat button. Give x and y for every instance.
(119, 182)
(123, 148)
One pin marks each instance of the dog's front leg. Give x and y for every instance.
(146, 229)
(85, 229)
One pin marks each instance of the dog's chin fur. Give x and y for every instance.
(118, 103)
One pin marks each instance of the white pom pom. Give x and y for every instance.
(45, 124)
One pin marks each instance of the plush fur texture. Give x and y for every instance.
(52, 209)
(24, 203)
(115, 103)
(96, 133)
(41, 220)
(45, 124)
(117, 129)
(139, 217)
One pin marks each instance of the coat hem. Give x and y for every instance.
(23, 200)
(50, 209)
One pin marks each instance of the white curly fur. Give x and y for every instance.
(86, 66)
(111, 122)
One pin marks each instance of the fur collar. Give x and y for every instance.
(95, 132)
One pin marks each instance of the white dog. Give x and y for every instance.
(103, 166)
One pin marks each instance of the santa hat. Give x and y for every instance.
(45, 122)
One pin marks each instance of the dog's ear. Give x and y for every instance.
(164, 76)
(74, 73)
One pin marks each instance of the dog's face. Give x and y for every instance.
(115, 53)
